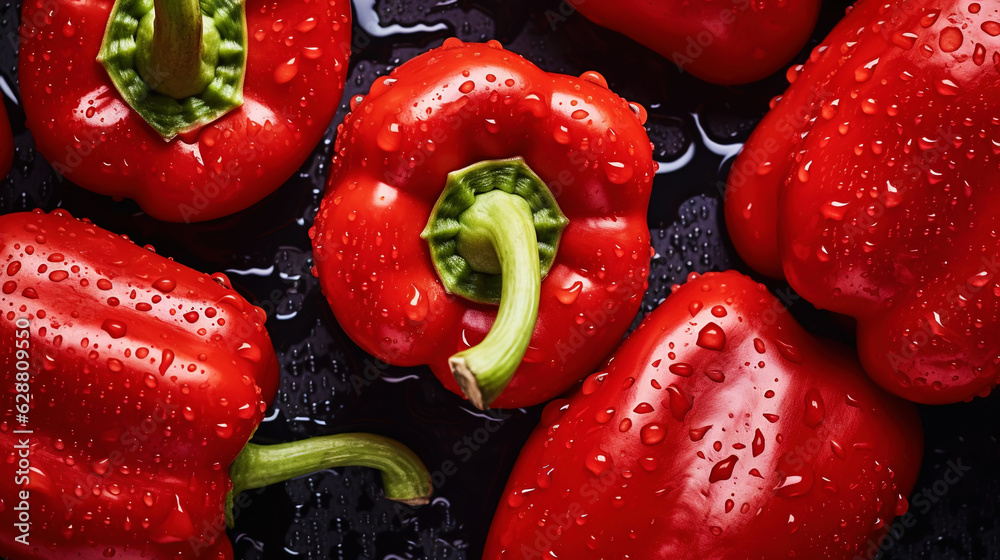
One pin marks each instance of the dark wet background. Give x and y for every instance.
(329, 385)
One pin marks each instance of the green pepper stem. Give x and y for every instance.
(183, 49)
(404, 476)
(504, 223)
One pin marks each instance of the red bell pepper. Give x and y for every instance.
(6, 143)
(727, 42)
(719, 430)
(131, 385)
(871, 186)
(469, 178)
(195, 117)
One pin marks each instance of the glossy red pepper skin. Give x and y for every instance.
(723, 42)
(6, 143)
(445, 110)
(148, 380)
(719, 430)
(296, 67)
(871, 186)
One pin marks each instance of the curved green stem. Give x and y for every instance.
(500, 224)
(178, 48)
(404, 476)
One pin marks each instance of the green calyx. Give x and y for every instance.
(493, 237)
(179, 64)
(404, 477)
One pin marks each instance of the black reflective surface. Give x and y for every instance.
(329, 385)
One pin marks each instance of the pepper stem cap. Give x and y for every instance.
(493, 236)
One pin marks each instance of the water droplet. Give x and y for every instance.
(696, 434)
(815, 411)
(166, 359)
(979, 56)
(594, 78)
(865, 72)
(947, 87)
(593, 383)
(679, 402)
(561, 135)
(224, 430)
(757, 447)
(904, 40)
(534, 104)
(682, 369)
(838, 450)
(951, 39)
(694, 307)
(355, 101)
(389, 136)
(568, 295)
(249, 352)
(306, 25)
(639, 111)
(116, 329)
(772, 418)
(651, 434)
(164, 285)
(467, 87)
(617, 172)
(723, 470)
(286, 71)
(643, 408)
(712, 337)
(795, 484)
(515, 499)
(604, 416)
(598, 462)
(981, 279)
(417, 306)
(716, 375)
(788, 351)
(834, 210)
(902, 505)
(991, 28)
